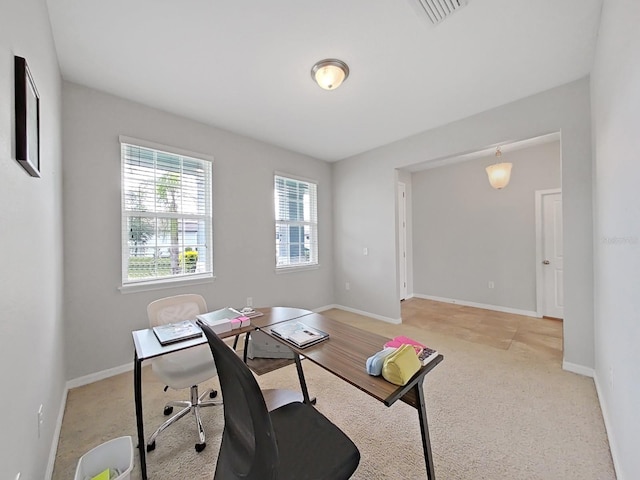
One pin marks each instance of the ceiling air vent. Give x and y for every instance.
(438, 10)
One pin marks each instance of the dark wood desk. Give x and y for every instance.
(147, 347)
(345, 354)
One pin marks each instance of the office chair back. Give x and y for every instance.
(248, 449)
(175, 308)
(184, 368)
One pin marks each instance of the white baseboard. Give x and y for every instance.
(56, 436)
(76, 382)
(579, 369)
(94, 377)
(395, 321)
(613, 447)
(495, 308)
(326, 307)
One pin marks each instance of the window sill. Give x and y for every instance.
(162, 284)
(297, 268)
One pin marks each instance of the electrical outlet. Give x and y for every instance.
(491, 284)
(40, 420)
(347, 286)
(249, 301)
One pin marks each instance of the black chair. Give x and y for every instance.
(293, 442)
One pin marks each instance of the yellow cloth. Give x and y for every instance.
(401, 365)
(104, 475)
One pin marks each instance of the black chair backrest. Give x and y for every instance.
(248, 449)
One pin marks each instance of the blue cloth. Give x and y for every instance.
(375, 362)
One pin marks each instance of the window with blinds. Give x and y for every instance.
(166, 215)
(296, 208)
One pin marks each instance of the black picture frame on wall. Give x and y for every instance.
(27, 103)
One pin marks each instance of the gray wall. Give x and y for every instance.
(616, 116)
(31, 322)
(100, 318)
(466, 234)
(365, 217)
(364, 188)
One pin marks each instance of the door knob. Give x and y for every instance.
(546, 262)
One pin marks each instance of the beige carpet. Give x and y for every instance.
(493, 415)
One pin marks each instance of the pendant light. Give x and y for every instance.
(499, 173)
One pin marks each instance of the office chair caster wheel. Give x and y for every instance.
(168, 410)
(200, 446)
(213, 394)
(151, 446)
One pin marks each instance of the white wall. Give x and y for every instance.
(31, 323)
(364, 188)
(100, 318)
(467, 234)
(616, 117)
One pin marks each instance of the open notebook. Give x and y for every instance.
(177, 332)
(299, 334)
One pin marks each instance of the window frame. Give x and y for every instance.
(159, 282)
(313, 223)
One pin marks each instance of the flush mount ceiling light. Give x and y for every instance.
(499, 173)
(330, 73)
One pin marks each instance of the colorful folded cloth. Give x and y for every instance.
(375, 361)
(402, 340)
(401, 365)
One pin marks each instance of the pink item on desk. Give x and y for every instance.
(402, 340)
(240, 322)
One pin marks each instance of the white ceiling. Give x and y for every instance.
(244, 66)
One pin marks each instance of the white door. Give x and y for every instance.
(551, 254)
(402, 240)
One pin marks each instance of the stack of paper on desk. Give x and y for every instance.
(240, 322)
(219, 320)
(425, 354)
(250, 312)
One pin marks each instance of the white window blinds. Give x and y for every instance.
(296, 213)
(166, 215)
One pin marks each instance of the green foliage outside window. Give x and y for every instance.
(190, 258)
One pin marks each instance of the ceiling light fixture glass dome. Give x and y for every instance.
(330, 73)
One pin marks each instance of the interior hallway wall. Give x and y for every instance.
(31, 306)
(365, 190)
(467, 234)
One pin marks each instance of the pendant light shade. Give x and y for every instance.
(499, 173)
(330, 73)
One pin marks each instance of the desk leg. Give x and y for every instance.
(303, 383)
(424, 430)
(137, 388)
(246, 346)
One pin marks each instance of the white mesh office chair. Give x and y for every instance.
(185, 368)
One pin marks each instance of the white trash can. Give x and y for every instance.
(116, 453)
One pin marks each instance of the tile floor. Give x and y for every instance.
(505, 331)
